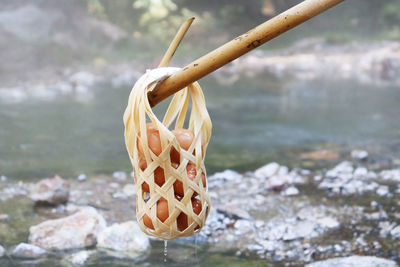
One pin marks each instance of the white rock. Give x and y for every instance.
(83, 78)
(79, 258)
(290, 191)
(359, 154)
(121, 176)
(28, 251)
(383, 190)
(3, 178)
(277, 181)
(328, 222)
(360, 172)
(354, 261)
(2, 251)
(129, 190)
(227, 175)
(51, 190)
(82, 177)
(76, 231)
(267, 170)
(392, 175)
(125, 237)
(395, 232)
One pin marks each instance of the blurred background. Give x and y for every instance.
(324, 92)
(67, 68)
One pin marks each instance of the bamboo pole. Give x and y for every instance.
(175, 43)
(239, 46)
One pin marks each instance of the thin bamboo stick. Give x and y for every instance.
(175, 43)
(239, 46)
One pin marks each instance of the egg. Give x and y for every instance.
(182, 219)
(153, 140)
(162, 213)
(191, 173)
(185, 139)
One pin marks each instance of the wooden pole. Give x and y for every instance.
(175, 43)
(239, 46)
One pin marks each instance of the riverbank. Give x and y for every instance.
(281, 215)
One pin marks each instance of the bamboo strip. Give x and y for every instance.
(175, 43)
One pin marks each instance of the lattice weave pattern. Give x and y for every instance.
(170, 175)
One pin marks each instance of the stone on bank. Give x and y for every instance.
(28, 251)
(75, 231)
(354, 261)
(125, 237)
(50, 190)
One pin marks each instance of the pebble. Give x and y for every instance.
(290, 191)
(267, 170)
(82, 177)
(359, 154)
(383, 190)
(28, 251)
(79, 258)
(129, 190)
(50, 190)
(120, 176)
(354, 261)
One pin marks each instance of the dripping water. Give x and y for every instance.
(165, 250)
(195, 247)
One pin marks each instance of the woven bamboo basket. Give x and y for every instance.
(170, 177)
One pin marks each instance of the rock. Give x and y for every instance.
(359, 154)
(391, 175)
(290, 191)
(3, 178)
(126, 237)
(75, 231)
(227, 175)
(128, 77)
(121, 176)
(267, 170)
(83, 79)
(354, 261)
(395, 232)
(28, 251)
(328, 222)
(244, 227)
(277, 182)
(2, 251)
(13, 95)
(233, 211)
(320, 155)
(79, 258)
(51, 190)
(4, 217)
(82, 177)
(129, 190)
(383, 190)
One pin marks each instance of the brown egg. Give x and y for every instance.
(185, 139)
(162, 213)
(153, 140)
(162, 209)
(191, 172)
(147, 221)
(182, 219)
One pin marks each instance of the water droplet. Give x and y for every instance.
(165, 250)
